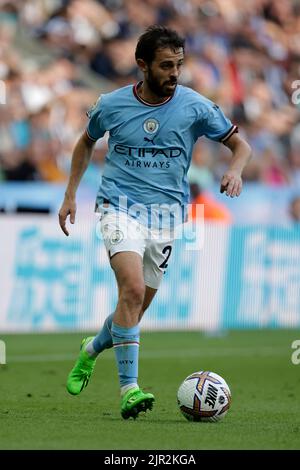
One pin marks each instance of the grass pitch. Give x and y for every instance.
(36, 412)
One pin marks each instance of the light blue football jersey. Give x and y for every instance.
(150, 150)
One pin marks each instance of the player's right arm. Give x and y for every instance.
(80, 159)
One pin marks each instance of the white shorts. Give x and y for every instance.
(121, 232)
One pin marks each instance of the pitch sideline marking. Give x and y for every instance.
(265, 351)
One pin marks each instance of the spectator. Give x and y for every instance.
(214, 211)
(242, 55)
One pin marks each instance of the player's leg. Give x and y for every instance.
(154, 264)
(128, 269)
(103, 340)
(114, 228)
(129, 275)
(149, 296)
(119, 234)
(91, 347)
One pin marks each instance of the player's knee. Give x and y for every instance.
(133, 293)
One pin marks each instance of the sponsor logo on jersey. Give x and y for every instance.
(147, 164)
(142, 152)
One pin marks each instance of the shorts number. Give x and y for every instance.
(167, 249)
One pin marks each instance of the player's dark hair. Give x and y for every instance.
(157, 37)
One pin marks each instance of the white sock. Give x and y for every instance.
(127, 387)
(90, 350)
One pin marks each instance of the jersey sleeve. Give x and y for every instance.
(96, 126)
(215, 125)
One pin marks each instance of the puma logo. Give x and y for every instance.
(149, 140)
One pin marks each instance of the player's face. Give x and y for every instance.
(162, 74)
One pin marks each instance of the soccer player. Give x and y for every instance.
(144, 192)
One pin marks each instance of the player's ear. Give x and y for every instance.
(142, 65)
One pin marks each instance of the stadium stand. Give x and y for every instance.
(57, 57)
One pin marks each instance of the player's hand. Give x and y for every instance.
(68, 208)
(231, 183)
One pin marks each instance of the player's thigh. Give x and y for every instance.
(125, 244)
(128, 269)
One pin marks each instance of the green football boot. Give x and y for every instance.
(80, 375)
(135, 401)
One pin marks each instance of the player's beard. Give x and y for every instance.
(157, 88)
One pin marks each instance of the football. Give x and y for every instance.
(204, 396)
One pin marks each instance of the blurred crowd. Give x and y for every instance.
(244, 55)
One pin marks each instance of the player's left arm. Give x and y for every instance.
(241, 154)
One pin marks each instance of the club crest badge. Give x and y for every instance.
(116, 237)
(151, 125)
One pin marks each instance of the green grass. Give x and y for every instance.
(37, 413)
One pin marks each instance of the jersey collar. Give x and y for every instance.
(135, 88)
